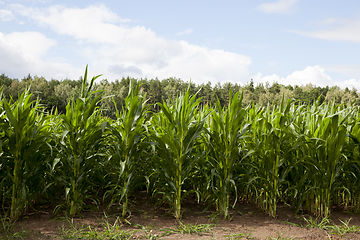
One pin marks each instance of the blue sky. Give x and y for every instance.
(293, 42)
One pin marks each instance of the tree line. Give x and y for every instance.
(56, 93)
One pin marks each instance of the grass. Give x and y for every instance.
(242, 235)
(322, 223)
(328, 226)
(189, 229)
(345, 228)
(7, 230)
(149, 232)
(108, 231)
(279, 237)
(214, 217)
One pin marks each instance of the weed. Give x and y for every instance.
(344, 228)
(324, 223)
(214, 217)
(110, 231)
(241, 235)
(190, 229)
(149, 233)
(279, 237)
(7, 228)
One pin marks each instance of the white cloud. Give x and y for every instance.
(31, 45)
(164, 58)
(6, 15)
(351, 83)
(280, 6)
(21, 54)
(95, 23)
(312, 74)
(110, 47)
(186, 32)
(337, 30)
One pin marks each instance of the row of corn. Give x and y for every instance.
(306, 156)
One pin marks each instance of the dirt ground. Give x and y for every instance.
(247, 222)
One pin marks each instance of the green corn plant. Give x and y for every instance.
(322, 157)
(80, 149)
(226, 131)
(352, 167)
(3, 166)
(271, 138)
(199, 182)
(126, 146)
(348, 178)
(309, 166)
(175, 131)
(24, 141)
(294, 189)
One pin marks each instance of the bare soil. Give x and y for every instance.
(246, 221)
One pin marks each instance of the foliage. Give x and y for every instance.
(126, 147)
(55, 93)
(302, 153)
(175, 131)
(79, 144)
(226, 130)
(24, 142)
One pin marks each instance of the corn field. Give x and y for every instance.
(306, 156)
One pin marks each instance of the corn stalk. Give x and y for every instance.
(24, 142)
(226, 131)
(175, 132)
(271, 137)
(324, 159)
(79, 146)
(126, 147)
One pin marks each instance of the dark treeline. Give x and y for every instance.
(56, 93)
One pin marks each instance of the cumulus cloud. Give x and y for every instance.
(31, 45)
(351, 83)
(95, 23)
(186, 32)
(312, 74)
(112, 47)
(335, 30)
(279, 7)
(21, 54)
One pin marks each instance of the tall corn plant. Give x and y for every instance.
(351, 175)
(24, 142)
(324, 157)
(296, 173)
(175, 131)
(4, 182)
(126, 146)
(271, 140)
(79, 146)
(226, 130)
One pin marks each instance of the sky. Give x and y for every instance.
(294, 42)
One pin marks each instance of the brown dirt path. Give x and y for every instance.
(247, 221)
